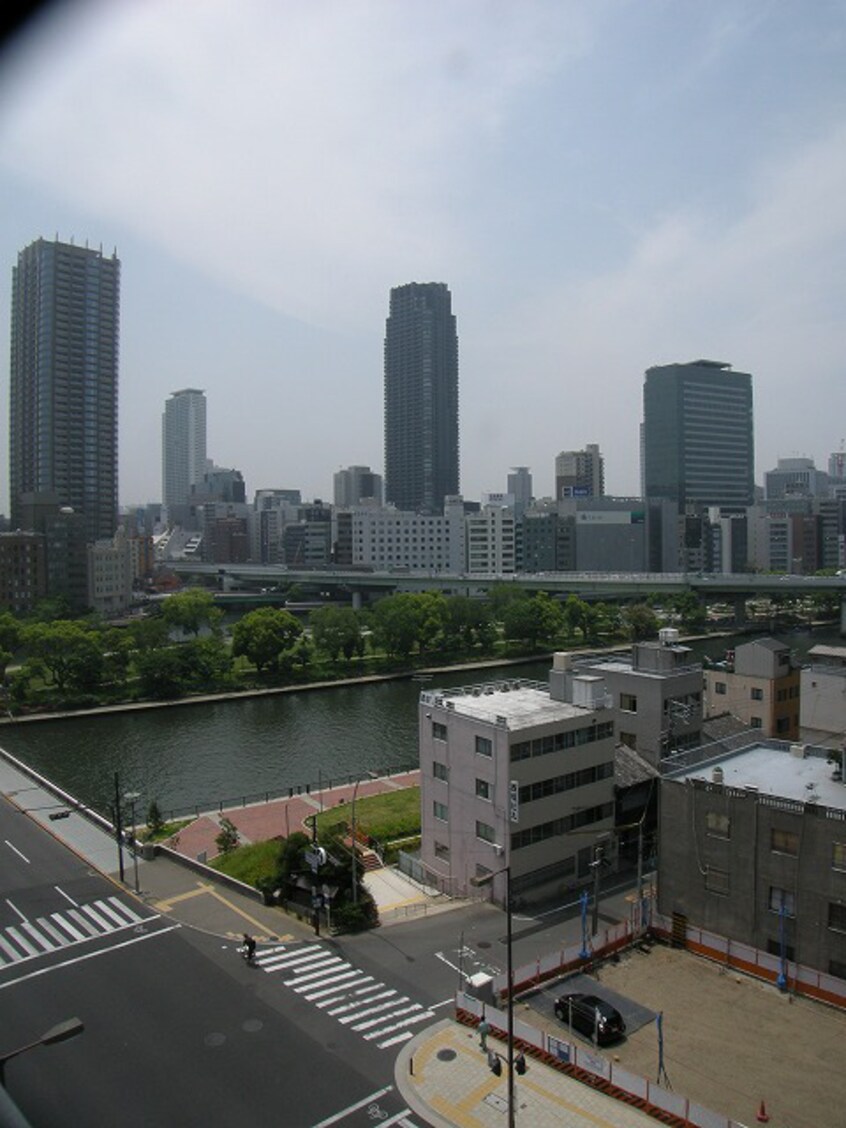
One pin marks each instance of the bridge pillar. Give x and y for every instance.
(739, 604)
(356, 600)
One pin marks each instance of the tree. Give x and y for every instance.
(70, 652)
(533, 620)
(228, 838)
(10, 632)
(191, 611)
(154, 818)
(336, 631)
(263, 637)
(639, 621)
(396, 624)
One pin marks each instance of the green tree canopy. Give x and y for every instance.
(397, 622)
(191, 611)
(534, 620)
(639, 621)
(70, 652)
(263, 637)
(336, 631)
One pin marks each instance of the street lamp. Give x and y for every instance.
(60, 1033)
(487, 879)
(371, 775)
(131, 797)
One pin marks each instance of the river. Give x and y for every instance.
(202, 755)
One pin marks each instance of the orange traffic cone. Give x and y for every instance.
(763, 1116)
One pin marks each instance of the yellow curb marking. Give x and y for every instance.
(461, 1112)
(164, 906)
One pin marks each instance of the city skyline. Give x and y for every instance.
(604, 189)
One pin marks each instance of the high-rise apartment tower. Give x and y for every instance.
(580, 473)
(183, 445)
(63, 422)
(698, 447)
(421, 398)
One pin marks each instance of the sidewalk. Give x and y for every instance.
(444, 1078)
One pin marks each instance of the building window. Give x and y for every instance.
(485, 832)
(756, 722)
(717, 881)
(441, 851)
(783, 725)
(757, 694)
(629, 739)
(628, 702)
(774, 949)
(837, 917)
(440, 811)
(483, 789)
(837, 968)
(439, 771)
(439, 731)
(720, 687)
(717, 825)
(838, 855)
(779, 897)
(484, 746)
(784, 842)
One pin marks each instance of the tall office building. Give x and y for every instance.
(580, 473)
(698, 447)
(183, 445)
(64, 381)
(355, 484)
(421, 398)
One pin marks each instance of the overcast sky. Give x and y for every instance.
(603, 186)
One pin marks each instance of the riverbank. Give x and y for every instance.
(418, 673)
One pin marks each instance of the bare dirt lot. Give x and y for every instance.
(731, 1041)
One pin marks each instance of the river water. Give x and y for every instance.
(200, 756)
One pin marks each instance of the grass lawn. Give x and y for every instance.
(249, 863)
(394, 814)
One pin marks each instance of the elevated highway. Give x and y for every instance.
(360, 585)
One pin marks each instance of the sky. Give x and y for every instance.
(604, 185)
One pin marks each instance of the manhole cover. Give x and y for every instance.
(446, 1055)
(214, 1039)
(483, 944)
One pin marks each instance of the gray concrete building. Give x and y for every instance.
(656, 696)
(518, 774)
(752, 847)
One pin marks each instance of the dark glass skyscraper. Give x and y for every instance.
(421, 398)
(64, 382)
(698, 447)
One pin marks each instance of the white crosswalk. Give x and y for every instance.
(377, 1012)
(31, 938)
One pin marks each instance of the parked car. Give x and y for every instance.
(591, 1016)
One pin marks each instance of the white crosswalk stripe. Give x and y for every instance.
(377, 1012)
(30, 939)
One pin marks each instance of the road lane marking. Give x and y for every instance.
(66, 896)
(344, 1113)
(22, 941)
(89, 956)
(15, 909)
(17, 851)
(74, 933)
